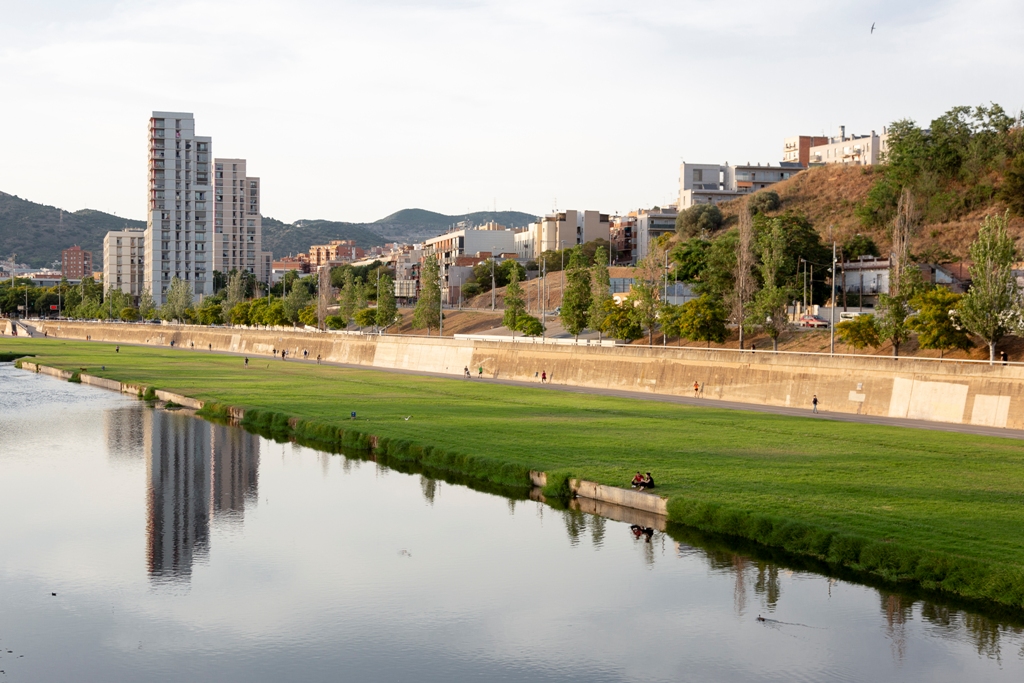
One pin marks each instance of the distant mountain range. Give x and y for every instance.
(37, 233)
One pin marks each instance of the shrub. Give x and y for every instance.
(702, 218)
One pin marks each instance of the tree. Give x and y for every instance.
(577, 297)
(240, 314)
(308, 315)
(769, 308)
(1012, 191)
(530, 326)
(745, 284)
(763, 202)
(367, 317)
(600, 291)
(235, 293)
(387, 309)
(991, 308)
(428, 308)
(515, 305)
(114, 301)
(859, 333)
(703, 319)
(268, 311)
(700, 219)
(147, 307)
(210, 313)
(179, 300)
(893, 308)
(621, 321)
(935, 327)
(646, 289)
(718, 277)
(129, 313)
(348, 299)
(690, 258)
(297, 299)
(859, 245)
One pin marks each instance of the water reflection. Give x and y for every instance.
(196, 472)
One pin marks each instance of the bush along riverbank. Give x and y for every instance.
(938, 510)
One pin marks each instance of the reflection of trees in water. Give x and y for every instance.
(597, 525)
(575, 524)
(767, 583)
(898, 611)
(429, 487)
(739, 589)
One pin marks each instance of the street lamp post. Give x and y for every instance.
(832, 308)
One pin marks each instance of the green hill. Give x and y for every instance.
(37, 233)
(291, 238)
(430, 220)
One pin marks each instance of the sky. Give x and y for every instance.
(353, 110)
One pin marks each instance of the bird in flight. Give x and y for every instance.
(872, 27)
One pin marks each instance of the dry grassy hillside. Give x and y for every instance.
(828, 196)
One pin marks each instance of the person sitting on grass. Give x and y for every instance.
(646, 483)
(637, 479)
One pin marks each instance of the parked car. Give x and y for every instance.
(850, 315)
(812, 321)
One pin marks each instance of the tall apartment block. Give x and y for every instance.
(177, 225)
(124, 258)
(238, 227)
(75, 263)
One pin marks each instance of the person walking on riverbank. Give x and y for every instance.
(544, 377)
(814, 404)
(696, 389)
(480, 372)
(247, 362)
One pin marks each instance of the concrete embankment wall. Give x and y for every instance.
(952, 391)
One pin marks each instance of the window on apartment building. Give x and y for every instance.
(698, 175)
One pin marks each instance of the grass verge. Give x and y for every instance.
(934, 509)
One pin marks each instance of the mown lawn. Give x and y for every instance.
(953, 494)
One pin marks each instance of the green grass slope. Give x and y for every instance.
(940, 510)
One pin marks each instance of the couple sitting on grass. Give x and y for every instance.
(642, 482)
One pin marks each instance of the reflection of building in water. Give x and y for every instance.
(197, 472)
(179, 469)
(124, 432)
(236, 461)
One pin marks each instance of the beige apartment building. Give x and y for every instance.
(856, 150)
(561, 230)
(336, 251)
(238, 225)
(124, 256)
(180, 203)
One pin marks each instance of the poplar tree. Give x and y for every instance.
(991, 308)
(768, 310)
(235, 293)
(387, 309)
(428, 309)
(179, 300)
(147, 306)
(600, 291)
(577, 298)
(893, 310)
(515, 305)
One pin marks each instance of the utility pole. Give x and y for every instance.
(543, 305)
(440, 308)
(492, 282)
(832, 308)
(664, 337)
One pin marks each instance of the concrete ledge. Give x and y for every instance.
(539, 479)
(100, 382)
(648, 502)
(192, 403)
(620, 513)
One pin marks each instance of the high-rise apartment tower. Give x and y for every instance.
(237, 227)
(178, 224)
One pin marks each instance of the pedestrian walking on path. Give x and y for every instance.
(318, 359)
(696, 389)
(480, 372)
(247, 362)
(814, 404)
(544, 377)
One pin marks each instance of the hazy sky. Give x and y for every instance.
(352, 110)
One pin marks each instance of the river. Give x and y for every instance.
(139, 544)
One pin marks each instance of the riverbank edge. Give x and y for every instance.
(958, 576)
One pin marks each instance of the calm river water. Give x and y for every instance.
(180, 550)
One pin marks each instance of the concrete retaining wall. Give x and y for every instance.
(952, 391)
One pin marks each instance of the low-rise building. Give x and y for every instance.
(713, 184)
(622, 235)
(124, 261)
(335, 253)
(652, 224)
(857, 150)
(797, 149)
(561, 230)
(76, 263)
(447, 248)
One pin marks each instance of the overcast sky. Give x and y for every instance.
(352, 110)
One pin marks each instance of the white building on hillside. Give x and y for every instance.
(713, 184)
(856, 150)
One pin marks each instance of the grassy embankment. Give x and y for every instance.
(941, 510)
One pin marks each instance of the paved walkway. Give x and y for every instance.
(668, 398)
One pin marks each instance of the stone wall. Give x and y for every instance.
(950, 391)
